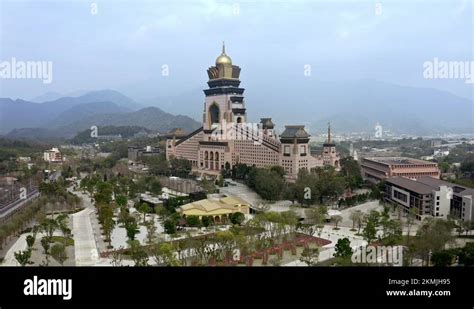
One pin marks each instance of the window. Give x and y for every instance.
(214, 113)
(400, 196)
(437, 198)
(303, 150)
(287, 150)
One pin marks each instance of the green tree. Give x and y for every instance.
(62, 222)
(268, 184)
(121, 200)
(151, 231)
(393, 232)
(278, 169)
(467, 165)
(370, 230)
(144, 208)
(46, 244)
(124, 215)
(108, 225)
(316, 216)
(336, 219)
(137, 253)
(48, 226)
(466, 256)
(343, 248)
(432, 236)
(220, 181)
(444, 167)
(170, 226)
(193, 221)
(163, 254)
(237, 218)
(58, 252)
(131, 227)
(442, 258)
(356, 217)
(30, 241)
(23, 257)
(206, 221)
(350, 170)
(411, 216)
(310, 256)
(180, 167)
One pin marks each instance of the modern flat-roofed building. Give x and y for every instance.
(431, 197)
(53, 155)
(136, 154)
(380, 168)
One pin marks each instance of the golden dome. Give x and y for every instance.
(223, 58)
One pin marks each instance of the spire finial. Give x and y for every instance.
(329, 132)
(223, 47)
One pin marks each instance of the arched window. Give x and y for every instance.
(214, 113)
(239, 119)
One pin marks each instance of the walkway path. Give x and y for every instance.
(85, 246)
(19, 245)
(84, 242)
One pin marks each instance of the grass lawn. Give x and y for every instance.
(66, 241)
(402, 241)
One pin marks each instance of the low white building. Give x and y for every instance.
(53, 155)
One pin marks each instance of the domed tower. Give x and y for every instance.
(224, 99)
(330, 156)
(267, 126)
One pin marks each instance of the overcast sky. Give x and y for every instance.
(125, 44)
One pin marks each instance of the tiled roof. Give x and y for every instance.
(411, 185)
(426, 184)
(209, 205)
(296, 131)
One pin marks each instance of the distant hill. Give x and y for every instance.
(83, 111)
(51, 136)
(64, 117)
(151, 118)
(349, 105)
(48, 96)
(82, 117)
(24, 114)
(125, 131)
(110, 96)
(52, 96)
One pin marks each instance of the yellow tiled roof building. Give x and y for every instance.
(215, 207)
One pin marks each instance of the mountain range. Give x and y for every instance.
(65, 116)
(350, 106)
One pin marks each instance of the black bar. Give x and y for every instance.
(240, 285)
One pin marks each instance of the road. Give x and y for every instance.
(15, 205)
(85, 246)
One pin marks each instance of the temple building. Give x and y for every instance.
(226, 138)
